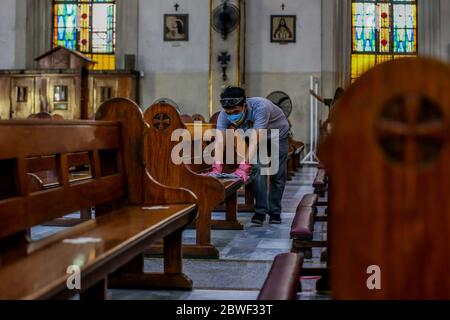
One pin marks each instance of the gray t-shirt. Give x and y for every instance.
(261, 114)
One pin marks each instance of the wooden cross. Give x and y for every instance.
(224, 58)
(407, 128)
(176, 7)
(161, 121)
(283, 6)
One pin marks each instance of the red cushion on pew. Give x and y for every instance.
(309, 200)
(302, 226)
(282, 283)
(321, 179)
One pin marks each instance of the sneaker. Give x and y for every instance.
(258, 219)
(275, 220)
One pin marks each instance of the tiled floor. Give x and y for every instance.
(245, 256)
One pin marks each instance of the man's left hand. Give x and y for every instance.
(244, 171)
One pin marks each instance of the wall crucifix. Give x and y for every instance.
(224, 59)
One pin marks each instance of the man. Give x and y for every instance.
(240, 112)
(330, 103)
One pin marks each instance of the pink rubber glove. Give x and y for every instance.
(244, 171)
(217, 168)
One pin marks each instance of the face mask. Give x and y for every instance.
(237, 119)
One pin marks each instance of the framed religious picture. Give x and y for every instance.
(176, 27)
(283, 29)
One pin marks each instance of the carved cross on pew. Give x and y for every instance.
(161, 121)
(412, 130)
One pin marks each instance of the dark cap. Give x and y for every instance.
(233, 94)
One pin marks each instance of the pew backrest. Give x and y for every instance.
(388, 161)
(20, 207)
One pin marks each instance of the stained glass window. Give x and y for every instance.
(382, 30)
(87, 26)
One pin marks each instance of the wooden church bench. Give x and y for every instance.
(299, 148)
(132, 209)
(164, 120)
(393, 225)
(291, 163)
(283, 280)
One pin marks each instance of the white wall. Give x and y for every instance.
(8, 34)
(271, 66)
(182, 73)
(303, 56)
(177, 72)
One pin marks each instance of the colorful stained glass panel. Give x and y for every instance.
(65, 25)
(87, 26)
(364, 27)
(382, 30)
(404, 37)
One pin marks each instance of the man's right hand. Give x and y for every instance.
(217, 168)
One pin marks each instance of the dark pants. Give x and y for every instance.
(269, 201)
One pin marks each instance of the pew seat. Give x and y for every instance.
(283, 280)
(115, 237)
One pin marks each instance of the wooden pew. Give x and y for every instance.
(186, 118)
(388, 161)
(290, 163)
(132, 209)
(198, 118)
(40, 116)
(164, 120)
(214, 118)
(298, 147)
